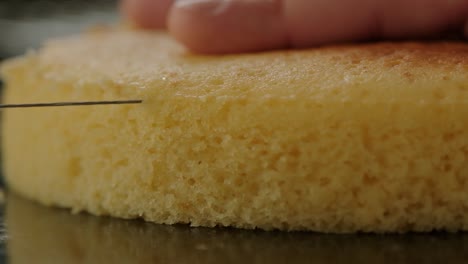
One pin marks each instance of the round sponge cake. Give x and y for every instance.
(370, 137)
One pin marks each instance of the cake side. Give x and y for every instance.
(340, 139)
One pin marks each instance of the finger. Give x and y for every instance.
(147, 13)
(221, 26)
(214, 26)
(415, 18)
(325, 21)
(363, 19)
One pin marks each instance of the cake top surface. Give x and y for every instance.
(144, 60)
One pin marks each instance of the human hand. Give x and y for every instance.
(230, 26)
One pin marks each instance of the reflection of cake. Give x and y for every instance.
(337, 139)
(64, 238)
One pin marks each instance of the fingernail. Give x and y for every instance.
(190, 3)
(214, 7)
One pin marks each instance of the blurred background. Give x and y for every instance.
(25, 24)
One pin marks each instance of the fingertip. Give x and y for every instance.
(213, 26)
(147, 13)
(188, 24)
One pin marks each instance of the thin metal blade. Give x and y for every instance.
(70, 104)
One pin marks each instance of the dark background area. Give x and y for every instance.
(24, 24)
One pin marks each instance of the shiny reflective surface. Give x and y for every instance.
(37, 234)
